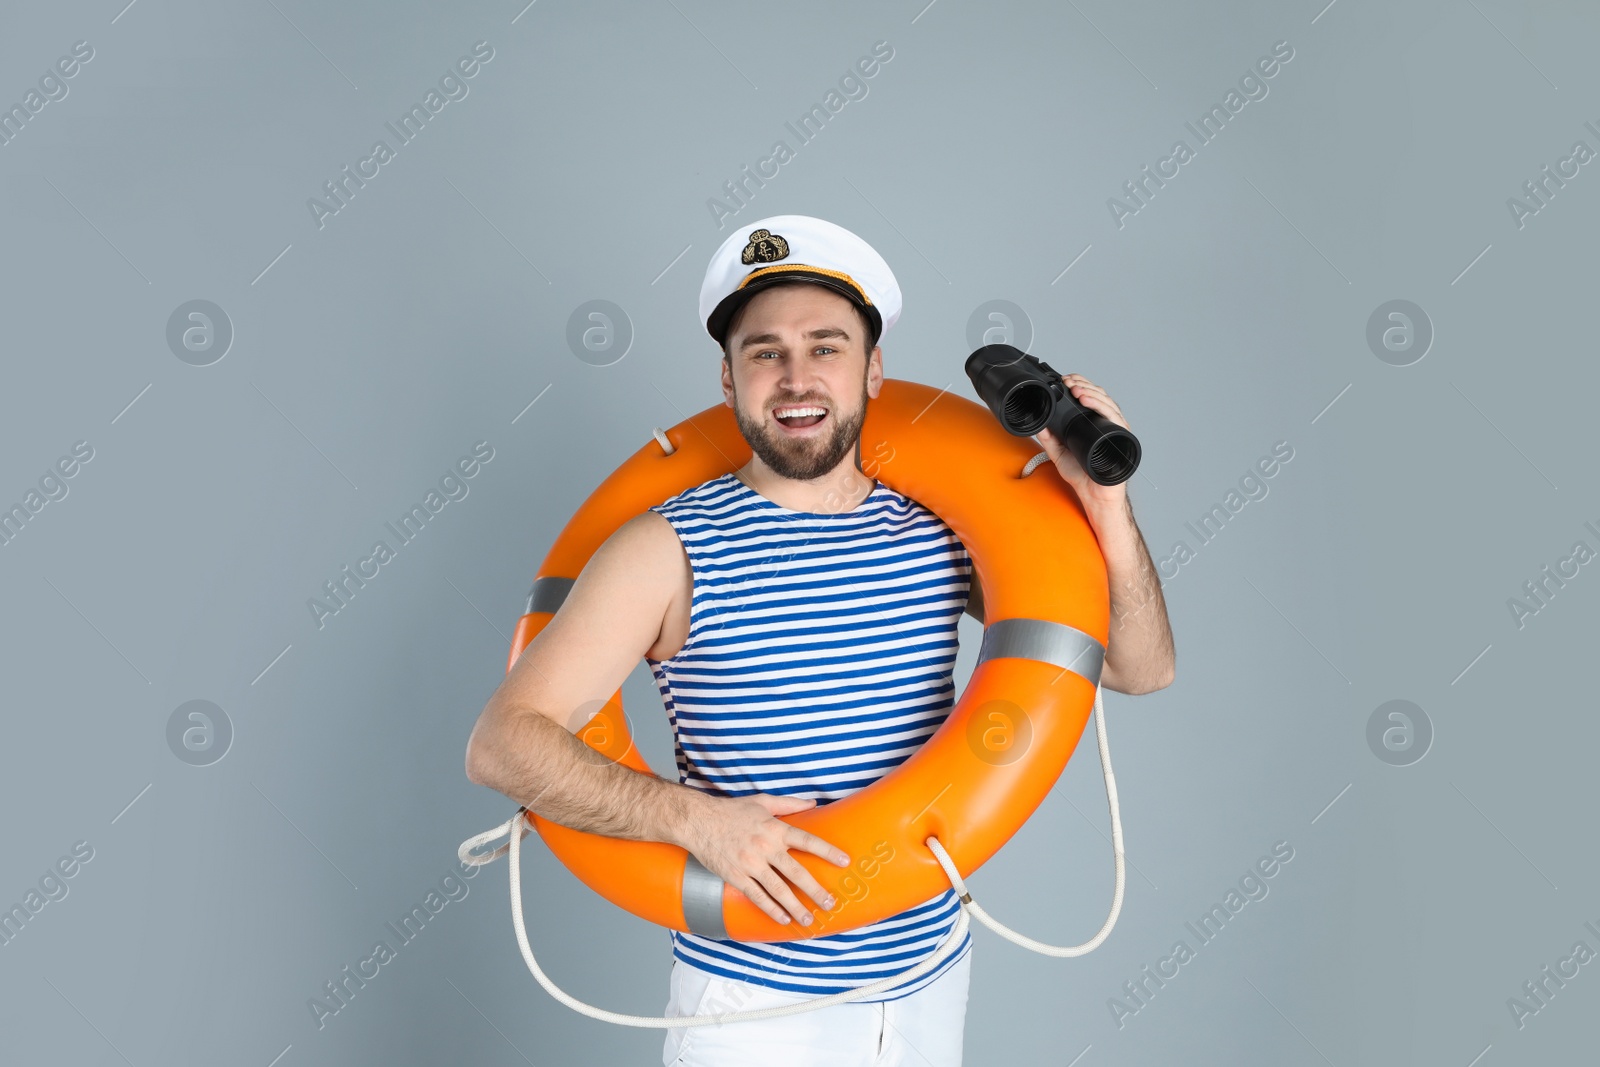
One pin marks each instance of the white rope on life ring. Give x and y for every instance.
(514, 833)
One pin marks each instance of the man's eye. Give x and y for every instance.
(825, 349)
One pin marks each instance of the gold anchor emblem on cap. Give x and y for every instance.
(764, 247)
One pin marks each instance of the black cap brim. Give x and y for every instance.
(722, 314)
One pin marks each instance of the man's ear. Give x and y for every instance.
(727, 381)
(874, 372)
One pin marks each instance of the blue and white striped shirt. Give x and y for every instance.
(819, 657)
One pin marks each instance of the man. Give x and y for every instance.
(800, 621)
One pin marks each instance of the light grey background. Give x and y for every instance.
(370, 354)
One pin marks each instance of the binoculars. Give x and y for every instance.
(1027, 395)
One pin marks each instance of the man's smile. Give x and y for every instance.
(800, 419)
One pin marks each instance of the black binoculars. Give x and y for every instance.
(1027, 395)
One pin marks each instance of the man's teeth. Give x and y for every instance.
(791, 413)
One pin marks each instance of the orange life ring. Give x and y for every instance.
(978, 778)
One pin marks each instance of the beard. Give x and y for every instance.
(802, 458)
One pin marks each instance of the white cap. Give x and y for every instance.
(785, 247)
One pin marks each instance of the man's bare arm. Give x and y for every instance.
(545, 768)
(524, 743)
(1139, 654)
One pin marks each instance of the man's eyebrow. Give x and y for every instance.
(817, 334)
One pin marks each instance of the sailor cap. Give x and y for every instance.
(788, 247)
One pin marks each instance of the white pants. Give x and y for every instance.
(923, 1029)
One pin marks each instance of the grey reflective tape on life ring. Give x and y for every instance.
(548, 594)
(1048, 642)
(702, 900)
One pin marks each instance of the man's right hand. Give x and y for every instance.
(740, 840)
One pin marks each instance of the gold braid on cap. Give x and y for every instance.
(841, 275)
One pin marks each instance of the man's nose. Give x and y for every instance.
(798, 375)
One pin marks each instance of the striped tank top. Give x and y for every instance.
(819, 658)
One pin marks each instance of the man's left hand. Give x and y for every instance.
(1097, 499)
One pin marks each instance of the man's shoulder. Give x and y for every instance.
(911, 506)
(695, 495)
